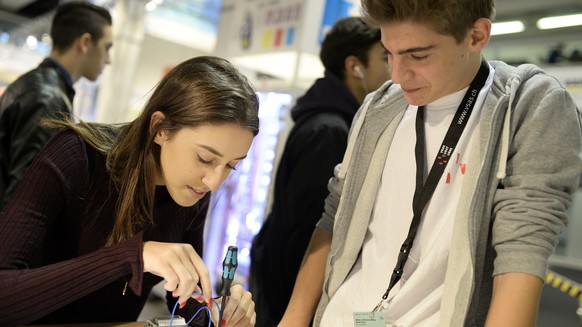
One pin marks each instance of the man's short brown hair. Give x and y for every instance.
(447, 17)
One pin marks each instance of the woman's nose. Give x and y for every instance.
(213, 179)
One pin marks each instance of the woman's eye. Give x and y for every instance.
(206, 162)
(233, 167)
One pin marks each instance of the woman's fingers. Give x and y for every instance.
(180, 266)
(203, 275)
(183, 269)
(240, 308)
(187, 273)
(214, 311)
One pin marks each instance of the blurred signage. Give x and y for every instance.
(259, 26)
(335, 10)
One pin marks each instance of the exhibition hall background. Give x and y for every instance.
(276, 44)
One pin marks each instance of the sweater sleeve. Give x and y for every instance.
(335, 186)
(31, 290)
(543, 170)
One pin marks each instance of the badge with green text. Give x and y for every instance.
(369, 319)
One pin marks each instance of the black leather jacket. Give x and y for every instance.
(41, 92)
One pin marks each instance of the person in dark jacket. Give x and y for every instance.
(355, 63)
(81, 37)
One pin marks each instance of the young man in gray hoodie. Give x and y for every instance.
(454, 185)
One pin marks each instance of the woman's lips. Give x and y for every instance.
(196, 193)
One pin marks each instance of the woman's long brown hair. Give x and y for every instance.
(201, 90)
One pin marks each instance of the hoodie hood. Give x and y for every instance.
(327, 94)
(509, 79)
(513, 77)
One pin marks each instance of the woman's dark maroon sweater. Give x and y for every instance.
(54, 266)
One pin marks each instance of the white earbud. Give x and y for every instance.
(358, 71)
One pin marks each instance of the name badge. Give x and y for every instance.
(369, 319)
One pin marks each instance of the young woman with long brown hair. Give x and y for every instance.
(106, 212)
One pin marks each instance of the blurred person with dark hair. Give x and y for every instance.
(557, 54)
(575, 56)
(81, 38)
(355, 64)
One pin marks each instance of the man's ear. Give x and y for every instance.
(350, 64)
(82, 42)
(161, 134)
(480, 34)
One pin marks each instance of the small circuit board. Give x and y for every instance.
(164, 321)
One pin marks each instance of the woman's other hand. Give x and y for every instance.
(239, 310)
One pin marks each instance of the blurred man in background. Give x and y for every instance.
(355, 63)
(82, 36)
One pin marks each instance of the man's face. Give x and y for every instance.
(426, 64)
(98, 55)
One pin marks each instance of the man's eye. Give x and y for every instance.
(419, 58)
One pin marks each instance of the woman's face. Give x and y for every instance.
(197, 160)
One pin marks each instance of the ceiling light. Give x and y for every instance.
(507, 27)
(559, 21)
(31, 42)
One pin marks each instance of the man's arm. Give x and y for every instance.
(530, 206)
(515, 300)
(309, 282)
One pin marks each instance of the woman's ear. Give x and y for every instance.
(161, 134)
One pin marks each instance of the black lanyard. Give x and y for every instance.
(424, 191)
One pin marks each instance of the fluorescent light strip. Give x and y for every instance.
(507, 27)
(559, 21)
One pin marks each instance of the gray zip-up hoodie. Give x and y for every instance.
(512, 208)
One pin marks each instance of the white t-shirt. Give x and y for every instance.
(415, 299)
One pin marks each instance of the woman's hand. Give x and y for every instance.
(181, 267)
(239, 310)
